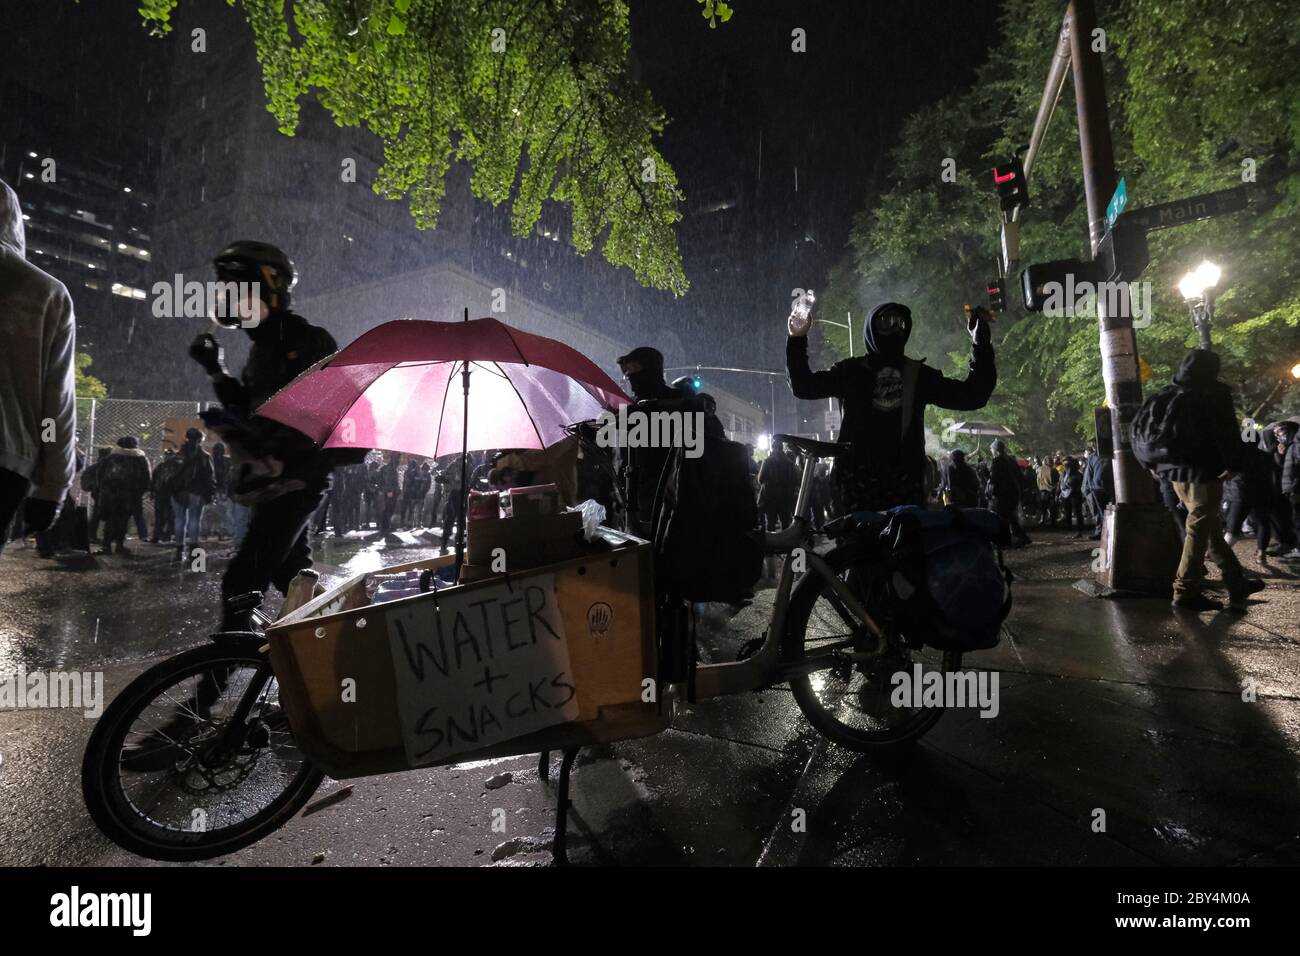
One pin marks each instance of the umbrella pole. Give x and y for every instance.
(464, 460)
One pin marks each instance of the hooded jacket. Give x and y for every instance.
(1219, 447)
(883, 397)
(123, 477)
(37, 350)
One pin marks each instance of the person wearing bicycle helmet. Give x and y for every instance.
(281, 473)
(882, 396)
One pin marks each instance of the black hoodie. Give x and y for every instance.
(883, 397)
(1219, 447)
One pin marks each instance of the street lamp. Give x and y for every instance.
(1268, 400)
(1197, 289)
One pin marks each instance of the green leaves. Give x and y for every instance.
(534, 95)
(1195, 88)
(715, 10)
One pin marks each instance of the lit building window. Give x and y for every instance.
(127, 292)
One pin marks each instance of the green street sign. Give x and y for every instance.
(1117, 204)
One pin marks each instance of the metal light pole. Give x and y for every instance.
(1267, 403)
(846, 326)
(1140, 549)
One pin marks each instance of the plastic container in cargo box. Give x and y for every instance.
(467, 672)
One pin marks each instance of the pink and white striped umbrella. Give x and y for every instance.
(398, 387)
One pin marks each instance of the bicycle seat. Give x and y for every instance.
(811, 446)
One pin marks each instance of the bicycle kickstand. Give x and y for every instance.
(559, 848)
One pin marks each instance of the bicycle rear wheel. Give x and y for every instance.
(161, 779)
(849, 699)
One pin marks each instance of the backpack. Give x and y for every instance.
(948, 585)
(1163, 430)
(705, 518)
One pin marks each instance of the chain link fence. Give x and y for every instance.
(102, 421)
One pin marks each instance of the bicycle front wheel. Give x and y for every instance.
(163, 779)
(850, 698)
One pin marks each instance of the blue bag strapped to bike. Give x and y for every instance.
(950, 588)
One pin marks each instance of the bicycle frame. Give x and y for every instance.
(764, 667)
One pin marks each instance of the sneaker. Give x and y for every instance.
(1229, 539)
(1292, 555)
(1195, 602)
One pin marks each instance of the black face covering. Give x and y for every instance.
(646, 382)
(887, 346)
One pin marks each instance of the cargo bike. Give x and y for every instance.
(232, 765)
(443, 663)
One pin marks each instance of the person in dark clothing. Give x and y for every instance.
(882, 397)
(1004, 482)
(220, 495)
(191, 489)
(778, 486)
(453, 501)
(123, 478)
(1099, 485)
(1250, 492)
(389, 488)
(643, 369)
(1286, 498)
(961, 481)
(1197, 479)
(90, 485)
(160, 488)
(1072, 496)
(281, 473)
(346, 493)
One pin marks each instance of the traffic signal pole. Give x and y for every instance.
(1139, 544)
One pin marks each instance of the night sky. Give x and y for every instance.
(776, 151)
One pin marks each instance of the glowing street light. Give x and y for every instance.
(1197, 288)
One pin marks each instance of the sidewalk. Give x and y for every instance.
(1112, 705)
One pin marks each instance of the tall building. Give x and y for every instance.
(84, 167)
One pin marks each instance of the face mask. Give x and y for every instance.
(642, 381)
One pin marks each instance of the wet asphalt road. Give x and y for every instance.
(1111, 705)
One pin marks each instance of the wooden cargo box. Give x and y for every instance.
(545, 659)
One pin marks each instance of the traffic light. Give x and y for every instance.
(1013, 190)
(696, 383)
(1037, 281)
(997, 289)
(1122, 254)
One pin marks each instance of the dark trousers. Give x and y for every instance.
(13, 492)
(1047, 507)
(1072, 511)
(163, 518)
(1005, 508)
(452, 509)
(1263, 521)
(274, 548)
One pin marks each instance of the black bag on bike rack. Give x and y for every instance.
(948, 585)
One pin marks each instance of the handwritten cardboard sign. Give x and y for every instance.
(479, 667)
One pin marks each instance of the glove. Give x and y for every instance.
(205, 350)
(39, 515)
(979, 325)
